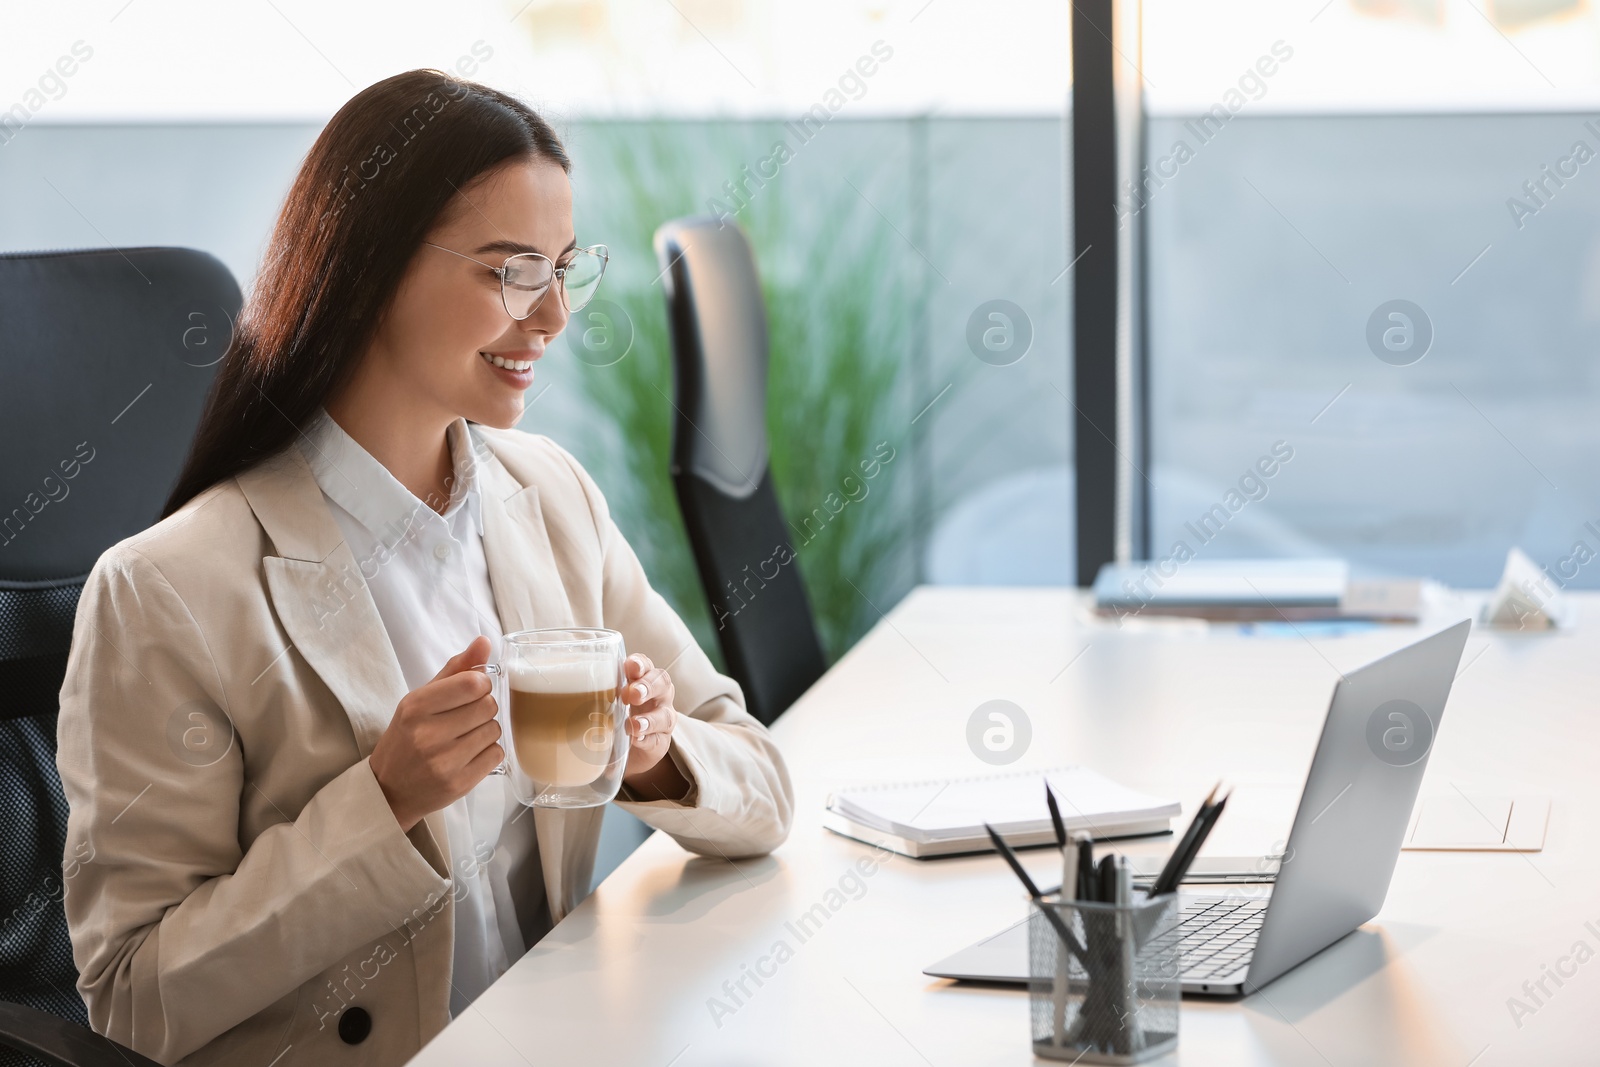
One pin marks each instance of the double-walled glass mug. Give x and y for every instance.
(563, 722)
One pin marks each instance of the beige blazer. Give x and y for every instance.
(237, 883)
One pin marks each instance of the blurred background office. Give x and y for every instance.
(904, 172)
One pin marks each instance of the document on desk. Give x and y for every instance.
(944, 817)
(1464, 823)
(1242, 590)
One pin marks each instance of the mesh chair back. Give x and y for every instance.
(105, 360)
(741, 544)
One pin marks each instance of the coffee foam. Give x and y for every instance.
(579, 674)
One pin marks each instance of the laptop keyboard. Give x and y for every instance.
(1216, 936)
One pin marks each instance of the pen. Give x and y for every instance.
(1131, 1038)
(1085, 868)
(1069, 892)
(1071, 859)
(1106, 890)
(1055, 817)
(1161, 884)
(1180, 863)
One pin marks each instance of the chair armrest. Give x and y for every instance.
(61, 1042)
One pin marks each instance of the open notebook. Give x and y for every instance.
(946, 816)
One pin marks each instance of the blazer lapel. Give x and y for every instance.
(528, 591)
(321, 597)
(529, 594)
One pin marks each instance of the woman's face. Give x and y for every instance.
(447, 318)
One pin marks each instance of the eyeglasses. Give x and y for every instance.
(525, 278)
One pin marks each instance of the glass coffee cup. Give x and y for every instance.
(562, 719)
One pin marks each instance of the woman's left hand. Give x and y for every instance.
(649, 694)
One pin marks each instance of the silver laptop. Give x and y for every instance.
(1341, 852)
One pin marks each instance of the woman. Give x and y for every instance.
(271, 735)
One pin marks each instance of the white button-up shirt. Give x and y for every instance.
(430, 581)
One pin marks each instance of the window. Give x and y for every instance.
(1382, 259)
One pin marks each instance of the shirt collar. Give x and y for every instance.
(465, 490)
(354, 479)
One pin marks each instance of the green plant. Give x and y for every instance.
(837, 334)
(838, 315)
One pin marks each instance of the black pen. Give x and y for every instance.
(1160, 885)
(1055, 816)
(1184, 861)
(1106, 878)
(1085, 868)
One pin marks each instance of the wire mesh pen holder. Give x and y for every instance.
(1108, 991)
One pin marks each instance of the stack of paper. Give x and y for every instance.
(944, 817)
(1252, 589)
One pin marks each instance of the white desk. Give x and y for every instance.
(628, 977)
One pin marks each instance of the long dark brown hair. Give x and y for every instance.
(370, 189)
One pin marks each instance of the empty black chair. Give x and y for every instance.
(719, 467)
(105, 360)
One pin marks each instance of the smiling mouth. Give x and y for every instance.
(507, 364)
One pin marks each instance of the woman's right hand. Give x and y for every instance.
(443, 739)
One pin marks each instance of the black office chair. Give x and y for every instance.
(719, 466)
(105, 359)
